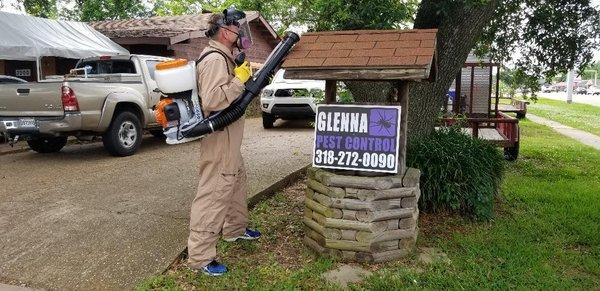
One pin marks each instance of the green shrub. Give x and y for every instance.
(459, 173)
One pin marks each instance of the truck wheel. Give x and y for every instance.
(124, 135)
(268, 120)
(511, 153)
(46, 145)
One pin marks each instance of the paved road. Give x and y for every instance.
(577, 98)
(80, 219)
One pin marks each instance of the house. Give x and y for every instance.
(183, 36)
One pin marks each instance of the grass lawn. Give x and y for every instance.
(546, 235)
(577, 115)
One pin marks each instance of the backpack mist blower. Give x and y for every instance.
(179, 111)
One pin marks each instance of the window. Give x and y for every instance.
(152, 67)
(109, 67)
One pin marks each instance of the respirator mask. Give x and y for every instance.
(238, 18)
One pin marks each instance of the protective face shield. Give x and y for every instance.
(238, 18)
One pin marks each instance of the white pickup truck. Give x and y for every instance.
(113, 100)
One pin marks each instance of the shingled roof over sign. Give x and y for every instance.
(411, 52)
(174, 28)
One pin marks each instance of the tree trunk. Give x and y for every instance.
(369, 91)
(459, 26)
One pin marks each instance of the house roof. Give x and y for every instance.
(408, 53)
(174, 28)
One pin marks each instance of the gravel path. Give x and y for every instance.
(81, 219)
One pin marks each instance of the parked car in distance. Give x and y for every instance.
(114, 100)
(547, 88)
(592, 90)
(290, 99)
(580, 90)
(4, 79)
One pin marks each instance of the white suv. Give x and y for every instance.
(290, 99)
(593, 90)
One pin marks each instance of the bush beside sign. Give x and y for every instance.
(357, 137)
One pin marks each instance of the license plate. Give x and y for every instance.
(26, 123)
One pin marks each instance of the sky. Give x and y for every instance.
(8, 6)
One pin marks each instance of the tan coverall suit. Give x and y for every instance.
(220, 203)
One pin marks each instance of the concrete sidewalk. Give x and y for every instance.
(81, 219)
(576, 134)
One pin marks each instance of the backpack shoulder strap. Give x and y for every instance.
(210, 52)
(202, 58)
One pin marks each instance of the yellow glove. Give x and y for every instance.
(243, 72)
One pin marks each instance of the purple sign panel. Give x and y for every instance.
(357, 137)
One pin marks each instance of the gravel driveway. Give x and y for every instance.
(81, 219)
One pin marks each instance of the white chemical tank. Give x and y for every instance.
(175, 76)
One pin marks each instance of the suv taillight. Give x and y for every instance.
(69, 100)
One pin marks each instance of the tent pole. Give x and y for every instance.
(38, 66)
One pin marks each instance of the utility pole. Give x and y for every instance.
(570, 78)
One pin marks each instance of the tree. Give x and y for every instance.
(514, 79)
(459, 25)
(543, 37)
(97, 10)
(41, 8)
(85, 10)
(355, 14)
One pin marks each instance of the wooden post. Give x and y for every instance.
(471, 91)
(330, 91)
(403, 95)
(497, 90)
(475, 128)
(489, 101)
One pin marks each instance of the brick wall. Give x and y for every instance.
(257, 53)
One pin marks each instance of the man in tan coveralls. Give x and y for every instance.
(220, 203)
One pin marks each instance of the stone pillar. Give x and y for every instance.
(363, 219)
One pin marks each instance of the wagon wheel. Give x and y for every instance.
(511, 153)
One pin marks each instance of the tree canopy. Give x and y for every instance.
(543, 37)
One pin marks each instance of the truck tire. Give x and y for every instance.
(124, 135)
(267, 120)
(45, 145)
(511, 153)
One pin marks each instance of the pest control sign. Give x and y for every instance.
(357, 137)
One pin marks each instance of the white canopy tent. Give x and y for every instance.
(24, 37)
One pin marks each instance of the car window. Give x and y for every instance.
(151, 67)
(6, 80)
(109, 67)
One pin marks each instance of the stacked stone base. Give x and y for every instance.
(362, 219)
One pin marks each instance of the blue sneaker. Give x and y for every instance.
(250, 234)
(214, 268)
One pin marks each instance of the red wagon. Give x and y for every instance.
(475, 100)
